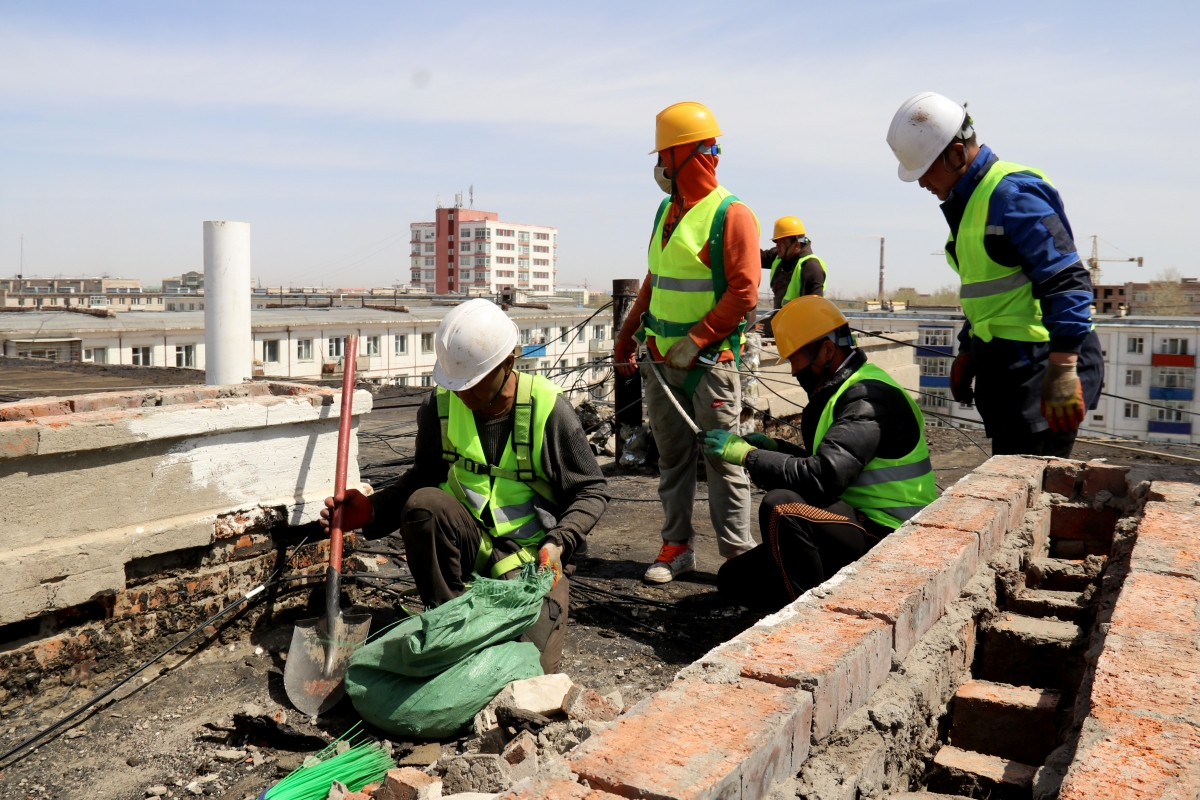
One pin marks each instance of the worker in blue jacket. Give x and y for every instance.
(1028, 345)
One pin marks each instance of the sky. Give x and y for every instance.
(330, 127)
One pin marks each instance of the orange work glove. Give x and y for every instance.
(550, 557)
(625, 356)
(1062, 397)
(357, 511)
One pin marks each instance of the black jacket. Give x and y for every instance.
(870, 419)
(812, 274)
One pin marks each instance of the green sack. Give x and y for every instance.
(490, 612)
(444, 705)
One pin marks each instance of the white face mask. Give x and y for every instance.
(660, 177)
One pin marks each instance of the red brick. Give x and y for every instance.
(1099, 477)
(554, 789)
(1151, 657)
(1061, 476)
(1038, 520)
(585, 704)
(700, 740)
(19, 438)
(1081, 521)
(31, 409)
(1014, 492)
(1168, 540)
(840, 658)
(106, 401)
(174, 397)
(407, 783)
(997, 776)
(1027, 468)
(1124, 756)
(1013, 722)
(908, 580)
(988, 519)
(1174, 492)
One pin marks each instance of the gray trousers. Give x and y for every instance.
(717, 403)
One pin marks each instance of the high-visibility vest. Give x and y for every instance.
(511, 491)
(888, 490)
(683, 289)
(997, 300)
(795, 284)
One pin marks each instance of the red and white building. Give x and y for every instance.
(464, 251)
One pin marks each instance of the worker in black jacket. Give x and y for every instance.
(863, 470)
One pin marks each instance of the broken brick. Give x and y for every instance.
(407, 783)
(586, 704)
(1100, 477)
(1061, 476)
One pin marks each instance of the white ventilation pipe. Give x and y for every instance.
(228, 343)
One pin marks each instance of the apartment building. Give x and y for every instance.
(120, 294)
(465, 251)
(1158, 298)
(1149, 363)
(563, 342)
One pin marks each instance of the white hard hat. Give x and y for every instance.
(471, 340)
(922, 128)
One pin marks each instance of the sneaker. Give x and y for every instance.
(673, 560)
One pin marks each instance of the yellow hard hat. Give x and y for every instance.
(787, 226)
(802, 321)
(682, 123)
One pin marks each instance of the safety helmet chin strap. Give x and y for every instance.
(503, 383)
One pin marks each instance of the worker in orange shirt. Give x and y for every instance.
(704, 270)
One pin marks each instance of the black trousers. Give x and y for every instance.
(802, 546)
(1042, 443)
(441, 542)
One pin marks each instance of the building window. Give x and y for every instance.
(935, 398)
(1174, 377)
(337, 346)
(429, 262)
(466, 247)
(430, 247)
(542, 236)
(1133, 377)
(523, 236)
(270, 351)
(1134, 344)
(401, 344)
(938, 367)
(1131, 410)
(185, 355)
(402, 380)
(935, 337)
(304, 350)
(526, 336)
(143, 356)
(426, 346)
(505, 232)
(564, 333)
(1171, 411)
(598, 332)
(372, 345)
(582, 334)
(545, 336)
(540, 249)
(541, 275)
(1175, 347)
(427, 379)
(97, 355)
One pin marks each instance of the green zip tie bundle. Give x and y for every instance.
(358, 766)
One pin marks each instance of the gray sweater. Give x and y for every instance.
(567, 459)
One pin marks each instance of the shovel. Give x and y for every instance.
(316, 663)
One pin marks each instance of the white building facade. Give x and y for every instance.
(472, 252)
(1149, 363)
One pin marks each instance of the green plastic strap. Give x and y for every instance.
(666, 328)
(662, 209)
(522, 556)
(443, 408)
(485, 552)
(716, 247)
(522, 436)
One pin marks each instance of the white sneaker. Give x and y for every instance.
(673, 560)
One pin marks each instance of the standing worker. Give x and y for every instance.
(692, 308)
(1029, 344)
(503, 475)
(795, 270)
(863, 470)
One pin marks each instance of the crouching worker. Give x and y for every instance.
(503, 475)
(864, 468)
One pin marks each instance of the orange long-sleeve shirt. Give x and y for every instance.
(743, 267)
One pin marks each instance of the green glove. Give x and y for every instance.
(762, 440)
(726, 446)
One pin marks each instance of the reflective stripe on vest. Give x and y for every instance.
(682, 288)
(512, 491)
(997, 300)
(888, 491)
(796, 284)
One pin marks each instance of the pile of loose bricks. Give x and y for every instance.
(1141, 737)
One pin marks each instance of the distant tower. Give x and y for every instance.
(458, 199)
(471, 189)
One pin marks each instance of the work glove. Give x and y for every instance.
(625, 356)
(762, 441)
(357, 511)
(550, 557)
(1062, 397)
(962, 373)
(682, 353)
(727, 446)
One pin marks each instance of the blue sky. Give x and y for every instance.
(330, 127)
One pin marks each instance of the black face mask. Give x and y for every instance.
(809, 381)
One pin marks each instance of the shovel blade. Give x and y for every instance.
(304, 679)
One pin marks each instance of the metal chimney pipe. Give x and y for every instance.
(882, 299)
(228, 342)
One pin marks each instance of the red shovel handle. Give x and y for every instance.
(343, 452)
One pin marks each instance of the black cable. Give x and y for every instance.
(578, 580)
(630, 620)
(1151, 405)
(879, 335)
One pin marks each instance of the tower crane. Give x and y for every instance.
(1095, 259)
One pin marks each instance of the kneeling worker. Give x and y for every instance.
(503, 475)
(795, 270)
(864, 468)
